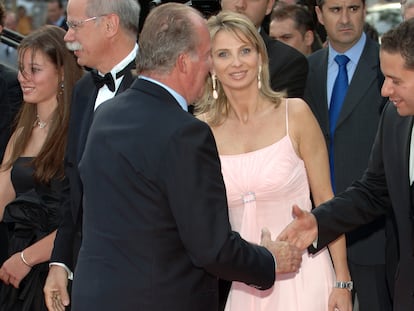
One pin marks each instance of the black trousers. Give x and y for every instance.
(370, 285)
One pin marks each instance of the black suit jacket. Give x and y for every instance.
(384, 185)
(354, 136)
(288, 68)
(156, 225)
(10, 102)
(68, 237)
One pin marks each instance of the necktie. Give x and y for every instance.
(107, 79)
(338, 94)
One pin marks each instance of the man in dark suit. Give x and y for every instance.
(156, 224)
(351, 141)
(288, 68)
(387, 183)
(56, 14)
(10, 94)
(10, 100)
(103, 36)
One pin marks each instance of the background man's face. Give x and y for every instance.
(255, 10)
(343, 21)
(53, 11)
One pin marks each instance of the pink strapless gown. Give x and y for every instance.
(261, 187)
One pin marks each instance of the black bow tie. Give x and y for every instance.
(107, 79)
(100, 81)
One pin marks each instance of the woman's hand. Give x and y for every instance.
(340, 300)
(14, 270)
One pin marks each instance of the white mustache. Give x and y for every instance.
(73, 46)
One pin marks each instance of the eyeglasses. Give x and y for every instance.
(77, 24)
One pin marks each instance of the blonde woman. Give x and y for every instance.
(273, 155)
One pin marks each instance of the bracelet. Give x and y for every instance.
(24, 260)
(348, 285)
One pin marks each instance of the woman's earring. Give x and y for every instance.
(62, 88)
(259, 79)
(214, 81)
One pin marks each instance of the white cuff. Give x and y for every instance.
(70, 273)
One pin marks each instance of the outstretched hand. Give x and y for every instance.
(302, 231)
(288, 257)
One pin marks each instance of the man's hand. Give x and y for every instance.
(288, 257)
(55, 290)
(302, 231)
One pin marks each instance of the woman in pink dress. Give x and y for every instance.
(273, 155)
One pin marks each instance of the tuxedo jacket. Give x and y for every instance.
(384, 185)
(68, 236)
(288, 67)
(354, 135)
(156, 234)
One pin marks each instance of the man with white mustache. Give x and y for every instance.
(102, 34)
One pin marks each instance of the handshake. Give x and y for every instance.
(288, 247)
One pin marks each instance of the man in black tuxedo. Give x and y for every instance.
(288, 68)
(103, 36)
(156, 229)
(354, 133)
(387, 183)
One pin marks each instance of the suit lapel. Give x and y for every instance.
(404, 141)
(86, 117)
(365, 75)
(129, 77)
(317, 89)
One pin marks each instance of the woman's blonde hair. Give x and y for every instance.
(216, 110)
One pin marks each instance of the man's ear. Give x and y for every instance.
(269, 7)
(309, 37)
(319, 15)
(112, 24)
(182, 62)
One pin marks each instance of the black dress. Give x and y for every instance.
(34, 214)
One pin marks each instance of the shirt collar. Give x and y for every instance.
(123, 63)
(354, 53)
(180, 99)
